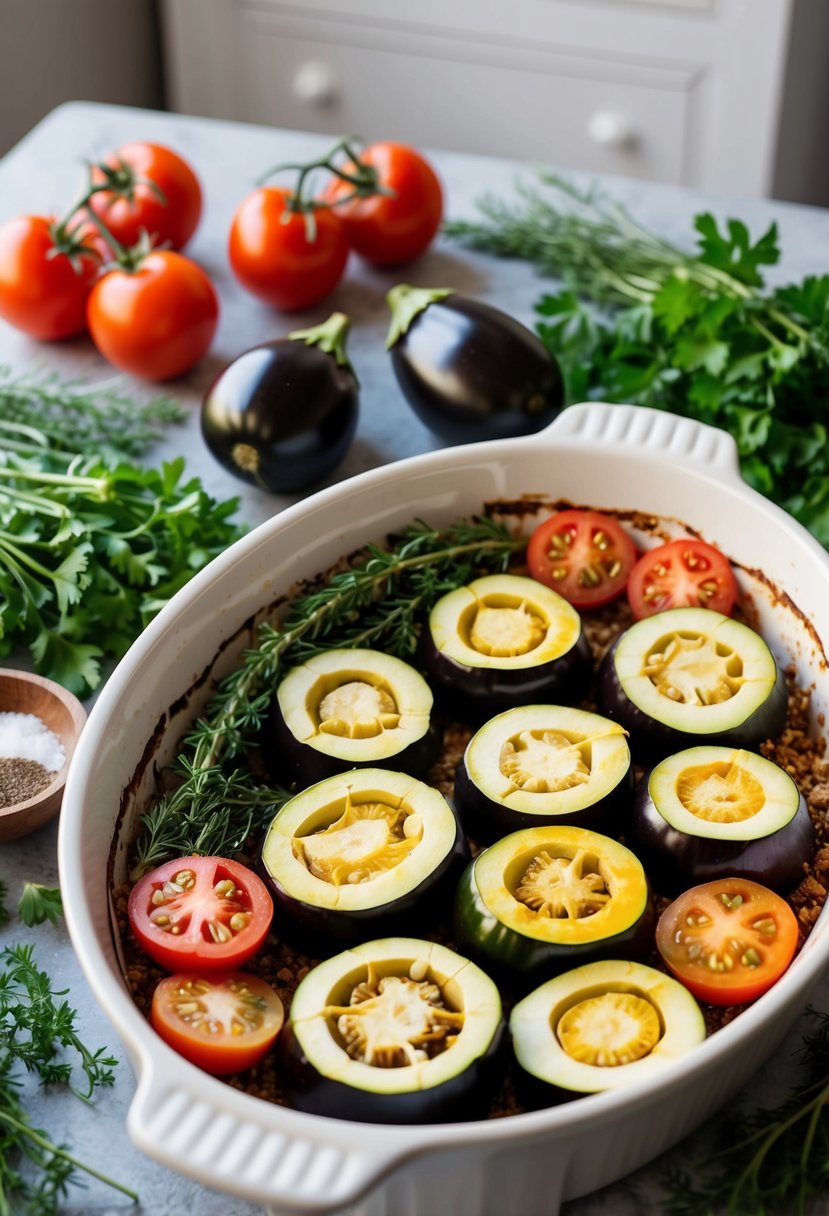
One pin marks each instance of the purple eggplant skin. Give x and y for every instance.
(465, 1096)
(282, 415)
(487, 820)
(476, 694)
(322, 931)
(675, 861)
(298, 765)
(471, 372)
(651, 740)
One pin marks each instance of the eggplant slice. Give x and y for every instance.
(544, 764)
(398, 1030)
(504, 640)
(543, 899)
(710, 812)
(360, 850)
(691, 672)
(350, 708)
(602, 1026)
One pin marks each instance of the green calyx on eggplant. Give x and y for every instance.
(544, 764)
(468, 370)
(545, 899)
(712, 812)
(603, 1026)
(688, 674)
(501, 641)
(361, 850)
(282, 415)
(398, 1030)
(352, 708)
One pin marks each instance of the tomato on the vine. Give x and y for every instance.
(683, 573)
(727, 941)
(203, 913)
(44, 291)
(222, 1023)
(290, 257)
(154, 191)
(583, 555)
(392, 227)
(154, 320)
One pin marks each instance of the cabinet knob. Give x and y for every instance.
(316, 84)
(610, 129)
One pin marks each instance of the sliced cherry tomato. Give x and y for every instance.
(583, 555)
(222, 1023)
(155, 321)
(168, 213)
(200, 912)
(727, 941)
(393, 227)
(289, 258)
(41, 291)
(682, 574)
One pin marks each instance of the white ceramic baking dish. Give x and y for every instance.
(605, 456)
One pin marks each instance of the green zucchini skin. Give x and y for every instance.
(465, 1096)
(523, 960)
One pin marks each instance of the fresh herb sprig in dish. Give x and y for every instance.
(377, 601)
(697, 333)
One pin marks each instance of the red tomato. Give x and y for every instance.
(222, 1023)
(389, 229)
(200, 912)
(682, 574)
(727, 941)
(171, 220)
(583, 555)
(41, 292)
(275, 255)
(155, 321)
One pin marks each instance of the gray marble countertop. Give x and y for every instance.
(42, 174)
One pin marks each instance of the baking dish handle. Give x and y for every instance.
(619, 426)
(190, 1128)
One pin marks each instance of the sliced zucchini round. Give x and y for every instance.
(361, 848)
(710, 812)
(544, 764)
(602, 1026)
(678, 675)
(503, 640)
(352, 708)
(399, 1030)
(545, 899)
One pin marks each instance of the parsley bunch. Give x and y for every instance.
(639, 320)
(91, 547)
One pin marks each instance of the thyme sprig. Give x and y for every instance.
(378, 600)
(777, 1158)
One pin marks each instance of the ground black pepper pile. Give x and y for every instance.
(21, 780)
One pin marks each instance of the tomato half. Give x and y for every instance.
(41, 292)
(682, 574)
(155, 321)
(281, 257)
(200, 912)
(170, 220)
(583, 555)
(391, 228)
(222, 1023)
(727, 941)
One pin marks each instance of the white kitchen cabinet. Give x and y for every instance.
(725, 95)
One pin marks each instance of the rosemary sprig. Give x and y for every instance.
(377, 601)
(84, 417)
(776, 1160)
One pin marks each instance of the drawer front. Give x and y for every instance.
(567, 109)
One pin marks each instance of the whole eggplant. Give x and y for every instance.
(282, 415)
(468, 370)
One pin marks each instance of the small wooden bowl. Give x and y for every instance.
(21, 692)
